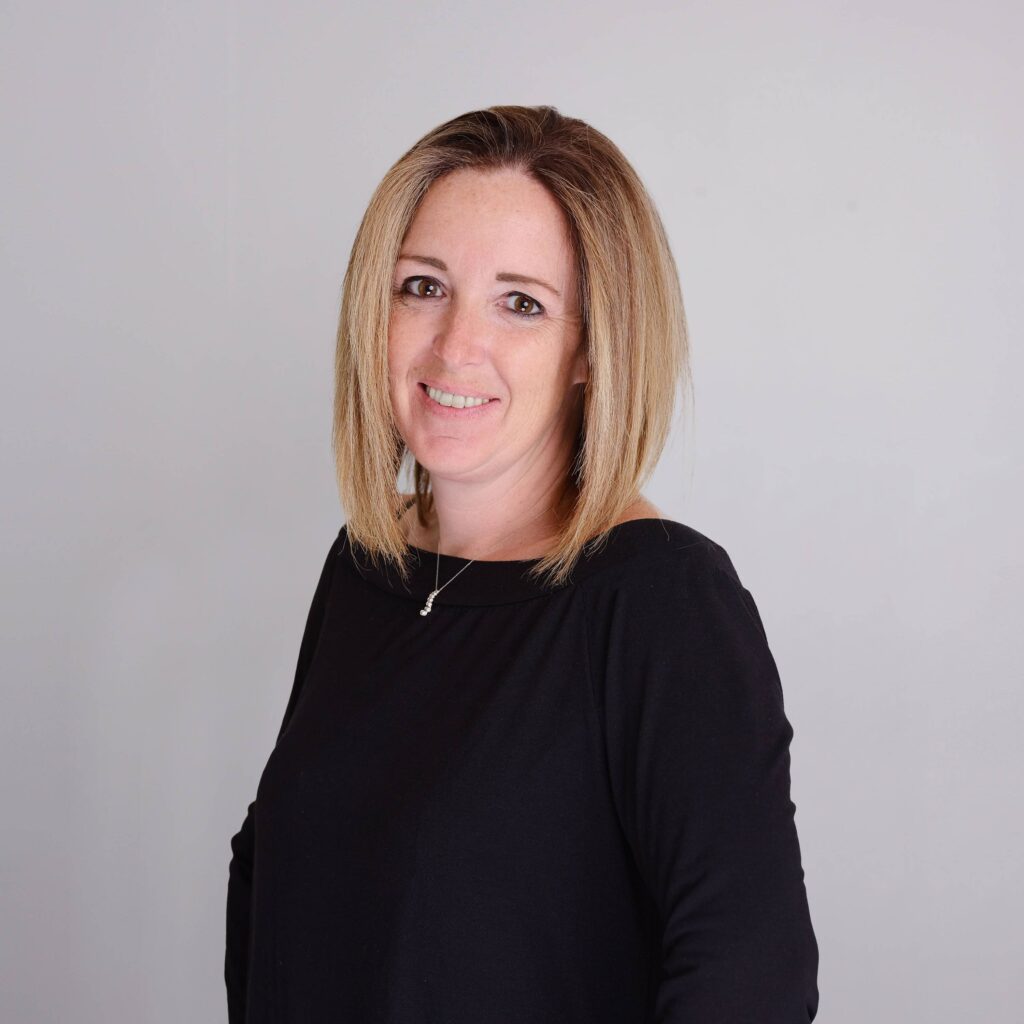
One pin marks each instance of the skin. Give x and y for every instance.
(500, 481)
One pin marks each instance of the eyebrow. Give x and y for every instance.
(505, 275)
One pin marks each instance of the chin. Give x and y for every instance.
(440, 461)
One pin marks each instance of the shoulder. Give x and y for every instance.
(677, 619)
(653, 549)
(669, 577)
(674, 539)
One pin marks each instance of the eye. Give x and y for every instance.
(522, 305)
(419, 287)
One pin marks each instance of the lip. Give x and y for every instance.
(449, 411)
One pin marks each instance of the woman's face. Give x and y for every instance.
(484, 306)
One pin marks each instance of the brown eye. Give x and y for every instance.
(422, 287)
(524, 305)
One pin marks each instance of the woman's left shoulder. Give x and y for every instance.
(676, 545)
(672, 566)
(693, 575)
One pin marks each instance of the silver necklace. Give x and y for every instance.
(437, 590)
(425, 610)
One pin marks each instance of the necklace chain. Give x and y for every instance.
(437, 590)
(425, 610)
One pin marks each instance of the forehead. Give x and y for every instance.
(485, 215)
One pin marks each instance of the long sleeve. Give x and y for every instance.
(698, 754)
(240, 868)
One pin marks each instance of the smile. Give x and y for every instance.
(448, 404)
(457, 401)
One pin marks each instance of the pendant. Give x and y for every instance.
(430, 602)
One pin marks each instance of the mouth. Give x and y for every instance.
(435, 398)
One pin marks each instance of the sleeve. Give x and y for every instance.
(240, 867)
(698, 753)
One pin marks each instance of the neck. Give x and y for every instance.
(499, 527)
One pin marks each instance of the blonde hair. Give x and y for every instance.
(634, 325)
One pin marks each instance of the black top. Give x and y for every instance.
(566, 806)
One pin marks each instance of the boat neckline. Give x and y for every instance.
(505, 581)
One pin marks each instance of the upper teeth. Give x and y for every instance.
(458, 401)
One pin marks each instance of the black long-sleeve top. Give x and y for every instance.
(531, 805)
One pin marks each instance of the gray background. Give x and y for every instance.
(841, 185)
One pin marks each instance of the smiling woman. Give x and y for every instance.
(535, 761)
(512, 254)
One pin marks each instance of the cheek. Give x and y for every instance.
(406, 334)
(539, 371)
(399, 339)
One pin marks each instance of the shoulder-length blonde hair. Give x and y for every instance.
(629, 297)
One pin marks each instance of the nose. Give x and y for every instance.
(460, 337)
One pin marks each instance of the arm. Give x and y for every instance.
(240, 868)
(698, 746)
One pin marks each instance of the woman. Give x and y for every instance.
(535, 763)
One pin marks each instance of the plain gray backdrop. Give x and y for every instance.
(182, 182)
